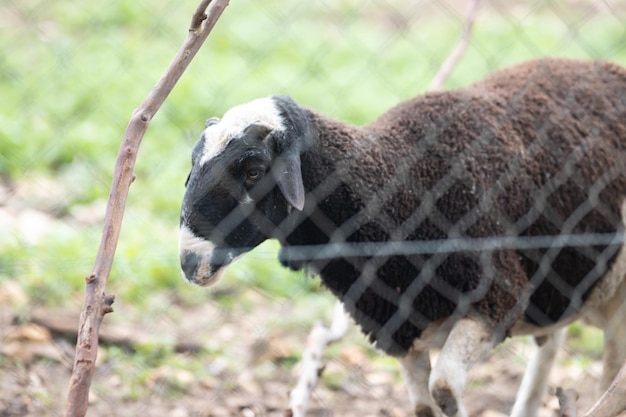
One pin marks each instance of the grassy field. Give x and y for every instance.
(71, 75)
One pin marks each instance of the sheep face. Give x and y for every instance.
(244, 181)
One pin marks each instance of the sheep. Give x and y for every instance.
(453, 221)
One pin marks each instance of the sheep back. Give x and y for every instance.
(538, 149)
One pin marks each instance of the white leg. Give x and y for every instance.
(614, 341)
(535, 380)
(610, 316)
(468, 342)
(416, 369)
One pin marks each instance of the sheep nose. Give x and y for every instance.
(189, 264)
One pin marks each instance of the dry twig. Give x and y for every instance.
(97, 303)
(319, 338)
(449, 64)
(613, 401)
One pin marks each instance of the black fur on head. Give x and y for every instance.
(245, 180)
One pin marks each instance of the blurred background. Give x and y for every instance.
(71, 74)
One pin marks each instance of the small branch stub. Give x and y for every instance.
(567, 402)
(199, 15)
(107, 307)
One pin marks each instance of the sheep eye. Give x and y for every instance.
(253, 174)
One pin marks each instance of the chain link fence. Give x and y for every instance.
(70, 77)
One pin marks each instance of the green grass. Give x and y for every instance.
(72, 74)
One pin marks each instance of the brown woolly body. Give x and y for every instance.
(534, 150)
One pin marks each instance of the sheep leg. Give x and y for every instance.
(614, 338)
(415, 367)
(468, 342)
(535, 379)
(614, 352)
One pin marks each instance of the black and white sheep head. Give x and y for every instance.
(245, 180)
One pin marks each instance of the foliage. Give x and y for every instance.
(76, 71)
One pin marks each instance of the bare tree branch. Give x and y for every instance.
(613, 401)
(97, 303)
(449, 64)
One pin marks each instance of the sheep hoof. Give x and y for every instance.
(423, 410)
(445, 399)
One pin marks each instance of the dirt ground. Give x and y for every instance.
(253, 380)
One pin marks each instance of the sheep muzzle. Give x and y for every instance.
(201, 262)
(198, 270)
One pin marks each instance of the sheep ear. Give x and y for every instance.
(289, 181)
(212, 121)
(257, 130)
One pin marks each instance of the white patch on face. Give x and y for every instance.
(261, 111)
(189, 243)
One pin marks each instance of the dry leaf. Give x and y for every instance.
(28, 333)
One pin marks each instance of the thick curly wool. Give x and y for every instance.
(533, 150)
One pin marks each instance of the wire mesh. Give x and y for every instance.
(70, 79)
